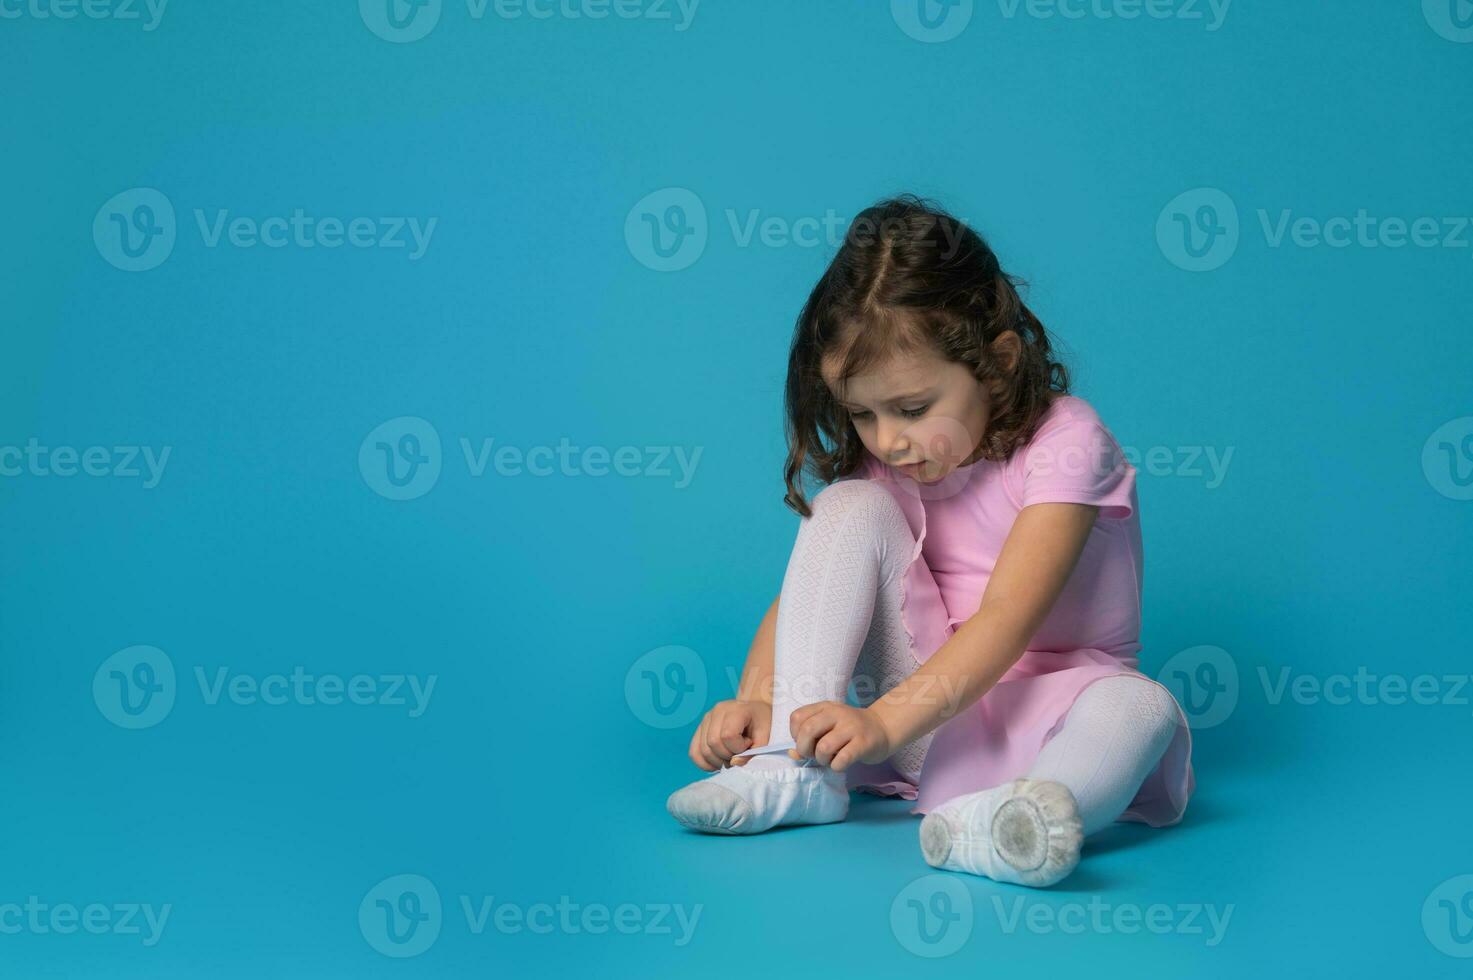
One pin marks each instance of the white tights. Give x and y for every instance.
(838, 619)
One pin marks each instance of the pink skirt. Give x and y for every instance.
(999, 737)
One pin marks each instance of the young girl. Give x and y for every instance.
(973, 567)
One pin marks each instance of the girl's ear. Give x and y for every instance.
(1007, 347)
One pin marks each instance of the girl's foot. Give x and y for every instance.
(770, 791)
(1026, 832)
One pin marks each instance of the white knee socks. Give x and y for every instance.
(839, 614)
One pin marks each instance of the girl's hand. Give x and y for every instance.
(728, 728)
(838, 735)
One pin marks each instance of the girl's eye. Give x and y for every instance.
(914, 413)
(859, 415)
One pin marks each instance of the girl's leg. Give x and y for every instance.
(1029, 831)
(839, 608)
(838, 618)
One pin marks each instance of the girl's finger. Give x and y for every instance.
(815, 728)
(712, 756)
(761, 730)
(829, 746)
(800, 715)
(715, 751)
(845, 758)
(698, 746)
(730, 737)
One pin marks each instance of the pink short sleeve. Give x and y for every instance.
(1077, 461)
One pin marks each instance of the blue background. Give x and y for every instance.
(530, 319)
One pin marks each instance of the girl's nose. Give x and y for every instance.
(891, 440)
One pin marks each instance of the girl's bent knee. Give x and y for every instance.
(1147, 702)
(854, 498)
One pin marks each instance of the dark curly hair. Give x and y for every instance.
(910, 276)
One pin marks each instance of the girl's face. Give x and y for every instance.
(918, 412)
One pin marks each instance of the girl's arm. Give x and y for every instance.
(1037, 559)
(756, 682)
